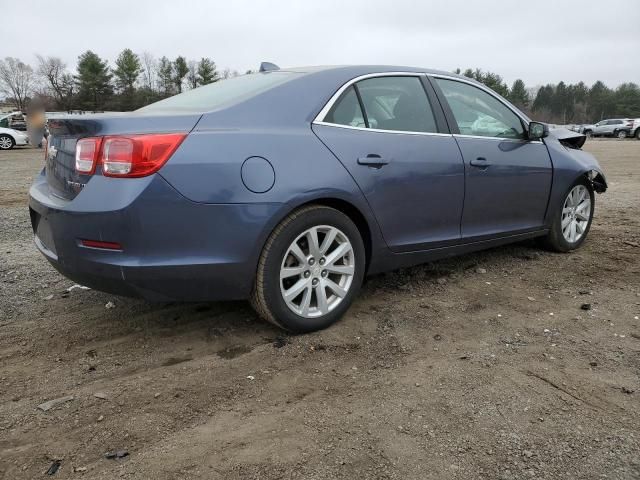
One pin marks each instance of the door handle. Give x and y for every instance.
(480, 162)
(373, 160)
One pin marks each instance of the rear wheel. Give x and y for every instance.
(6, 142)
(621, 134)
(572, 220)
(310, 270)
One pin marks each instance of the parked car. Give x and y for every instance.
(14, 121)
(635, 128)
(9, 138)
(288, 187)
(618, 127)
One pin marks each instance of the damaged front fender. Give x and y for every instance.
(570, 163)
(598, 180)
(565, 149)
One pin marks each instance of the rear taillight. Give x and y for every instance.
(129, 156)
(87, 150)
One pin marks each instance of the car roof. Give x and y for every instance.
(366, 69)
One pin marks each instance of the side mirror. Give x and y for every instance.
(537, 130)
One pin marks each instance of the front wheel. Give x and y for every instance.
(6, 142)
(572, 220)
(310, 270)
(638, 134)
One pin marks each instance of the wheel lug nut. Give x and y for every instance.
(322, 260)
(307, 274)
(314, 282)
(312, 261)
(324, 273)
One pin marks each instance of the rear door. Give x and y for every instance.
(389, 132)
(508, 178)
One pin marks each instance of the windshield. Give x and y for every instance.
(220, 93)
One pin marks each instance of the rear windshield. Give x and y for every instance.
(221, 93)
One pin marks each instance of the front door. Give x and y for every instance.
(385, 133)
(508, 178)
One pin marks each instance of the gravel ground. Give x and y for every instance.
(484, 366)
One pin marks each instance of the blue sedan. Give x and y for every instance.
(288, 187)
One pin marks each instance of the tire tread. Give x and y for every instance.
(258, 300)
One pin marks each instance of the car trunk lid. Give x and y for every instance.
(64, 132)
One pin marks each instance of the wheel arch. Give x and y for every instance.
(343, 205)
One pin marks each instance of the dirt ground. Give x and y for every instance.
(440, 371)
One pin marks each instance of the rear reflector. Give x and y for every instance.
(101, 244)
(126, 156)
(87, 150)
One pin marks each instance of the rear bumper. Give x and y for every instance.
(173, 249)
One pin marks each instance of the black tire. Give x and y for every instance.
(6, 142)
(266, 297)
(555, 240)
(637, 135)
(620, 134)
(588, 133)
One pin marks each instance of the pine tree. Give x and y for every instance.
(518, 94)
(165, 76)
(600, 103)
(561, 103)
(93, 80)
(544, 99)
(207, 72)
(128, 69)
(627, 100)
(180, 70)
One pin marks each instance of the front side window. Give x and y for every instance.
(397, 103)
(478, 113)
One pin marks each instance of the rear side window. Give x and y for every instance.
(221, 93)
(478, 113)
(346, 111)
(397, 103)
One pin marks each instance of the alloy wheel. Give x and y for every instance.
(576, 213)
(5, 143)
(317, 271)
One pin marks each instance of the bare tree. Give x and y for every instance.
(16, 80)
(53, 72)
(148, 70)
(192, 76)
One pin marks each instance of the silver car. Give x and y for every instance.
(617, 127)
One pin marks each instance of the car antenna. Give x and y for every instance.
(268, 67)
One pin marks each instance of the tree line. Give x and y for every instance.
(135, 80)
(564, 103)
(131, 82)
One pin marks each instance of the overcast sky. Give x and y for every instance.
(538, 41)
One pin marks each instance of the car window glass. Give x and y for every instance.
(478, 113)
(221, 93)
(397, 103)
(346, 111)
